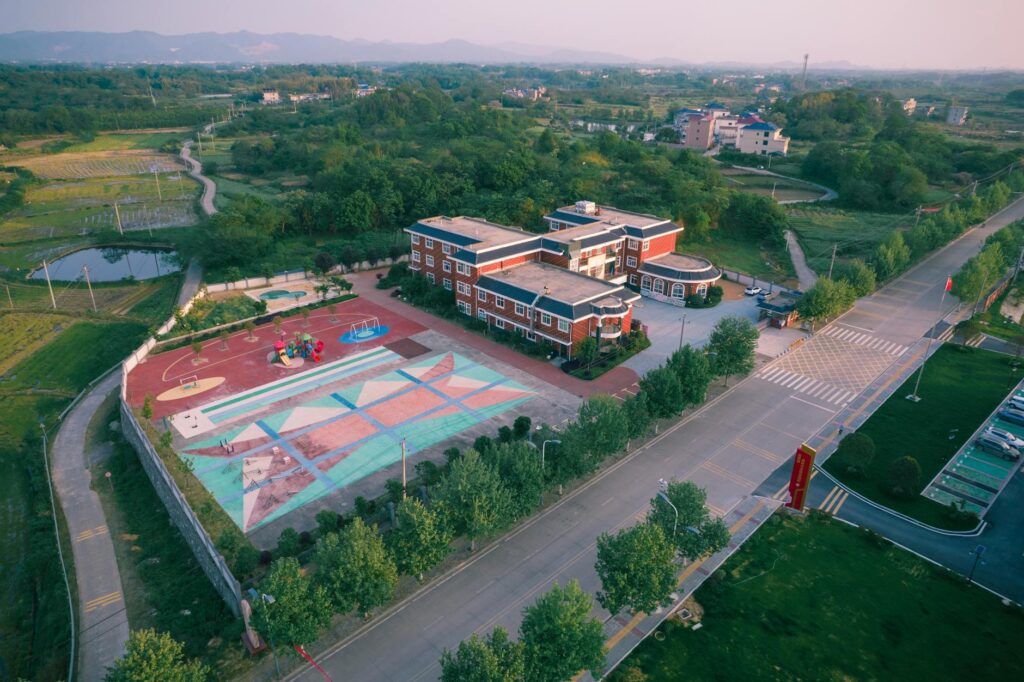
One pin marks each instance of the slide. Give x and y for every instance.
(283, 355)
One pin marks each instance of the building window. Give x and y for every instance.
(428, 243)
(545, 319)
(462, 268)
(499, 302)
(630, 261)
(645, 283)
(447, 248)
(702, 289)
(482, 314)
(530, 336)
(678, 290)
(499, 323)
(464, 288)
(481, 295)
(659, 286)
(647, 245)
(446, 265)
(520, 309)
(430, 277)
(632, 280)
(430, 261)
(415, 256)
(415, 239)
(447, 284)
(563, 325)
(632, 244)
(465, 308)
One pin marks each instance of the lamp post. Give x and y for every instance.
(682, 329)
(662, 487)
(544, 446)
(978, 551)
(268, 599)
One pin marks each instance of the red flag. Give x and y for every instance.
(949, 284)
(302, 652)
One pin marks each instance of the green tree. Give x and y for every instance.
(559, 636)
(602, 424)
(518, 465)
(732, 345)
(826, 299)
(638, 415)
(420, 540)
(521, 426)
(855, 451)
(355, 568)
(147, 407)
(892, 256)
(151, 656)
(694, 372)
(473, 498)
(586, 351)
(756, 217)
(636, 569)
(663, 392)
(327, 521)
(495, 659)
(859, 276)
(289, 543)
(904, 477)
(300, 609)
(693, 533)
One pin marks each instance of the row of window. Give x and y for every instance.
(677, 291)
(446, 265)
(429, 243)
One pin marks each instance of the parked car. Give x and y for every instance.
(752, 291)
(1012, 416)
(994, 446)
(1016, 402)
(1005, 436)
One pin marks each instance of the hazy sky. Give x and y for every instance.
(880, 33)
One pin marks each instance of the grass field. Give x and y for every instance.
(122, 141)
(73, 297)
(743, 256)
(811, 599)
(69, 165)
(959, 388)
(857, 233)
(784, 190)
(25, 333)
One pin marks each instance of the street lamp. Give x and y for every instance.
(978, 551)
(268, 599)
(682, 330)
(543, 446)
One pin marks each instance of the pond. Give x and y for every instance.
(112, 264)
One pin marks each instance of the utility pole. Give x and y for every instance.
(9, 299)
(833, 263)
(978, 551)
(774, 184)
(48, 285)
(682, 330)
(159, 194)
(1020, 263)
(918, 218)
(85, 269)
(403, 469)
(199, 136)
(117, 214)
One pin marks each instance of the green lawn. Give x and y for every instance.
(959, 389)
(857, 233)
(743, 256)
(119, 141)
(785, 190)
(812, 599)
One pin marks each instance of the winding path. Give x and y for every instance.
(829, 194)
(804, 274)
(195, 169)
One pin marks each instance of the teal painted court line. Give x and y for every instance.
(303, 377)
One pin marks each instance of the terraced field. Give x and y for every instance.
(25, 333)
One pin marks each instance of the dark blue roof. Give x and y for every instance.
(547, 304)
(715, 105)
(760, 126)
(574, 218)
(660, 270)
(442, 235)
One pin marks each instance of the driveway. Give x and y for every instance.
(664, 324)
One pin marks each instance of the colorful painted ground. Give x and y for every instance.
(262, 470)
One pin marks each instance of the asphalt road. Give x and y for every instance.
(730, 447)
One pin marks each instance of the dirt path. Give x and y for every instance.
(195, 169)
(804, 274)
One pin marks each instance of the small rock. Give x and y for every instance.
(114, 426)
(151, 561)
(186, 612)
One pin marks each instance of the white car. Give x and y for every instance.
(1005, 436)
(752, 291)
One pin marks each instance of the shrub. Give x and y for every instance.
(856, 451)
(266, 556)
(505, 435)
(246, 560)
(521, 426)
(289, 543)
(904, 474)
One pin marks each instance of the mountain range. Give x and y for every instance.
(136, 47)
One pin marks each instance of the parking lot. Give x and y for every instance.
(974, 477)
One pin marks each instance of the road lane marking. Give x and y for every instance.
(91, 533)
(105, 600)
(710, 466)
(808, 402)
(760, 452)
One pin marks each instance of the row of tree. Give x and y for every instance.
(981, 272)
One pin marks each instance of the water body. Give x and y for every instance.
(112, 265)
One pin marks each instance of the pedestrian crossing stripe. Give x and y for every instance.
(834, 500)
(866, 340)
(947, 333)
(105, 600)
(815, 388)
(976, 341)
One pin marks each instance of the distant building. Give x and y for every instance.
(956, 115)
(699, 132)
(779, 308)
(909, 106)
(364, 90)
(271, 97)
(309, 97)
(532, 94)
(762, 139)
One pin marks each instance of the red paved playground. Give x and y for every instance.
(247, 362)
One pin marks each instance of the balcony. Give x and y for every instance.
(611, 331)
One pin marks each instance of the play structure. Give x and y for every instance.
(364, 330)
(305, 347)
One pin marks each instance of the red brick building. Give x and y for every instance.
(562, 286)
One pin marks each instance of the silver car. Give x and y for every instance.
(1005, 436)
(994, 446)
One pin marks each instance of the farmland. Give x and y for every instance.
(25, 333)
(857, 233)
(781, 189)
(70, 165)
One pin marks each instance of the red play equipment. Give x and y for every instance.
(304, 346)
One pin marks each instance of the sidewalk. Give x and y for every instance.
(625, 633)
(102, 621)
(363, 283)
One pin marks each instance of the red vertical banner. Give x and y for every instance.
(803, 464)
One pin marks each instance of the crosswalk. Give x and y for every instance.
(833, 502)
(814, 388)
(862, 339)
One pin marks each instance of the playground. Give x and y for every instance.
(273, 422)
